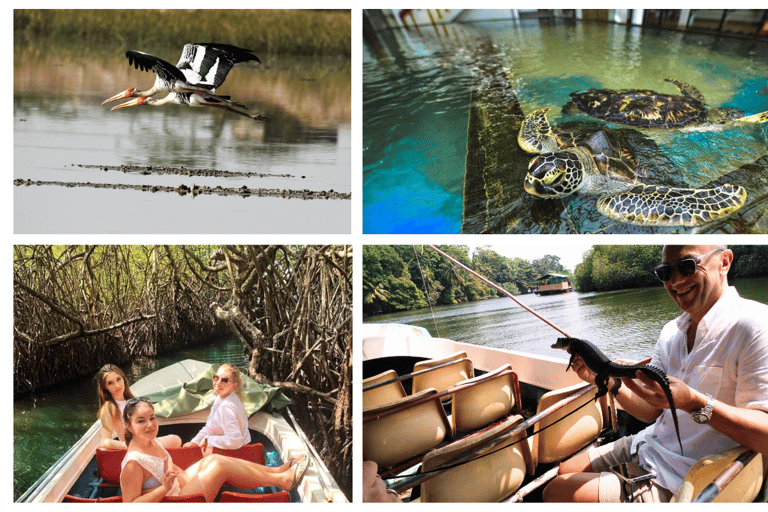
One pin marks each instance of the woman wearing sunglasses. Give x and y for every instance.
(148, 473)
(112, 386)
(227, 425)
(716, 357)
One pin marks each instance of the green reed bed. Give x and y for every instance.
(268, 31)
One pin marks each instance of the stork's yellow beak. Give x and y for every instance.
(120, 96)
(133, 103)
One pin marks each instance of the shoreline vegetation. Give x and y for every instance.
(299, 32)
(395, 277)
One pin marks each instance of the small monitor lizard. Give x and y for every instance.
(598, 363)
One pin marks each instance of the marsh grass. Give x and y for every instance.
(265, 31)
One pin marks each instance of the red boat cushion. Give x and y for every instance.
(239, 497)
(108, 461)
(192, 498)
(77, 499)
(185, 457)
(250, 452)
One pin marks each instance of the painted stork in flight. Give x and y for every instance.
(202, 68)
(190, 99)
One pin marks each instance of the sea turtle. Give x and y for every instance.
(648, 109)
(603, 162)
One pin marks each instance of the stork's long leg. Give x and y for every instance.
(257, 117)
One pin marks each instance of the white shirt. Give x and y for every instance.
(227, 425)
(729, 360)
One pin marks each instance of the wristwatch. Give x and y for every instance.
(702, 416)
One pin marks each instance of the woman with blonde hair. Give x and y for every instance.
(148, 473)
(227, 424)
(114, 392)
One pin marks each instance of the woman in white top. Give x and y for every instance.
(113, 391)
(227, 424)
(148, 473)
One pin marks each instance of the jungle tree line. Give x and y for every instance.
(79, 307)
(403, 277)
(616, 267)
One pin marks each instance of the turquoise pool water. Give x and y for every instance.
(416, 92)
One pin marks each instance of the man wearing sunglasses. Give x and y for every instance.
(716, 357)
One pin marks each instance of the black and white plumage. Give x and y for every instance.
(191, 99)
(201, 69)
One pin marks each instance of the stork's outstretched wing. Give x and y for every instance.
(207, 64)
(146, 62)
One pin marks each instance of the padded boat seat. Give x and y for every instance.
(185, 456)
(250, 452)
(383, 394)
(404, 428)
(77, 499)
(191, 498)
(487, 478)
(484, 399)
(744, 487)
(241, 497)
(443, 378)
(569, 434)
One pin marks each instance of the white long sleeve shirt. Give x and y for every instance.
(227, 425)
(729, 360)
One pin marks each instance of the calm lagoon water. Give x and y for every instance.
(60, 127)
(624, 323)
(416, 93)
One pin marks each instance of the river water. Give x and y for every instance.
(625, 323)
(46, 424)
(63, 134)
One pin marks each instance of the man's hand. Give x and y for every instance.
(686, 398)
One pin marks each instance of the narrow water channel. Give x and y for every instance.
(46, 424)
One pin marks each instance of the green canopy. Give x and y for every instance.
(197, 395)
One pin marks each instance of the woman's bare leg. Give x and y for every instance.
(170, 441)
(209, 474)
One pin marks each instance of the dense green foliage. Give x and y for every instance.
(403, 277)
(615, 267)
(265, 31)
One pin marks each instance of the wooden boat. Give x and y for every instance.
(75, 476)
(418, 390)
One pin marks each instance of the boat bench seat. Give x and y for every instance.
(444, 377)
(484, 399)
(109, 460)
(402, 429)
(241, 497)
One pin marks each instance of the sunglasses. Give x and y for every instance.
(135, 401)
(686, 266)
(224, 380)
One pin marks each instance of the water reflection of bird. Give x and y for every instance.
(202, 68)
(190, 99)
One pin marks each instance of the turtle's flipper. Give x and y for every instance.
(536, 135)
(664, 206)
(762, 117)
(687, 89)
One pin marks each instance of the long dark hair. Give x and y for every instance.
(108, 408)
(130, 409)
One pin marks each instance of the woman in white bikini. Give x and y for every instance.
(227, 425)
(113, 391)
(148, 473)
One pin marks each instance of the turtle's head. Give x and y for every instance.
(554, 175)
(723, 114)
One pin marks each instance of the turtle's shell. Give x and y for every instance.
(640, 108)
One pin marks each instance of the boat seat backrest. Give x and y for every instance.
(484, 399)
(385, 393)
(185, 456)
(495, 473)
(442, 378)
(189, 498)
(743, 488)
(108, 463)
(241, 497)
(404, 428)
(250, 452)
(567, 434)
